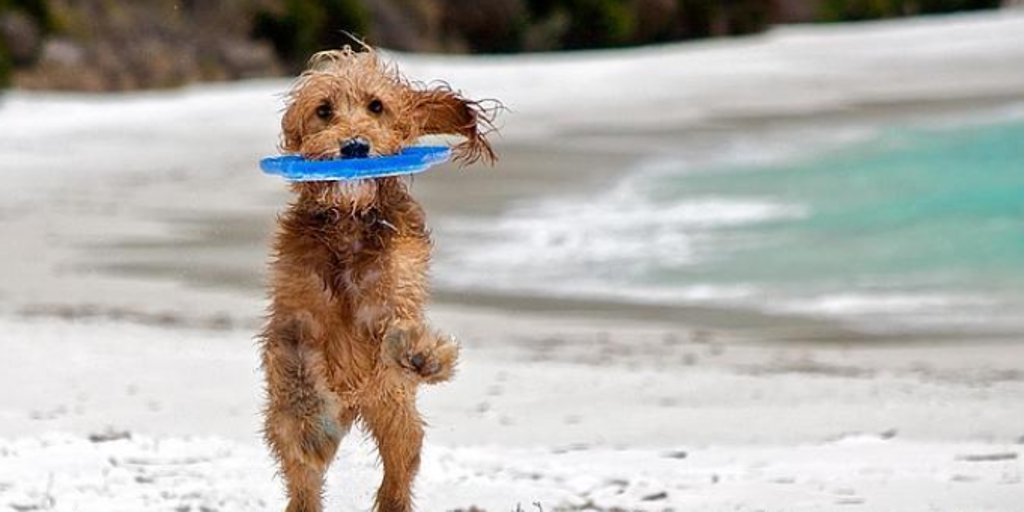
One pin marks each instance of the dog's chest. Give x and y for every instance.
(368, 252)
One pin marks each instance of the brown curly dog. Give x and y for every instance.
(346, 337)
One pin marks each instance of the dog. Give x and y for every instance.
(345, 338)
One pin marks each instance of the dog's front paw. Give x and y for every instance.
(422, 353)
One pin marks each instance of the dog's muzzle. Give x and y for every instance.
(355, 148)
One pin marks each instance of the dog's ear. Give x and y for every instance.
(441, 111)
(291, 128)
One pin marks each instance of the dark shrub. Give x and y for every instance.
(302, 27)
(937, 6)
(39, 10)
(706, 18)
(858, 10)
(39, 13)
(5, 68)
(597, 24)
(487, 26)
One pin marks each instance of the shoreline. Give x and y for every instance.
(214, 254)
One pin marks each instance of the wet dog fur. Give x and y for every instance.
(346, 339)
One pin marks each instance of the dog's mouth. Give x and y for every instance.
(357, 147)
(346, 149)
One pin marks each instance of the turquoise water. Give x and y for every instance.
(910, 209)
(935, 216)
(912, 228)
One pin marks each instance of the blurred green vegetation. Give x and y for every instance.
(583, 24)
(109, 44)
(39, 12)
(861, 10)
(5, 69)
(300, 28)
(597, 23)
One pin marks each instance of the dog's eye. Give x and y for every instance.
(324, 111)
(376, 106)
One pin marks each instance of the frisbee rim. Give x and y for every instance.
(410, 160)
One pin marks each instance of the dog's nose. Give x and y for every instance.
(355, 148)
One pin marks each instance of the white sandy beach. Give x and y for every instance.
(130, 292)
(570, 414)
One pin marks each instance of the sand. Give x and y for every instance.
(560, 412)
(131, 287)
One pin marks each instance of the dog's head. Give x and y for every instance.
(350, 104)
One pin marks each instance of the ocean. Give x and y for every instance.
(908, 229)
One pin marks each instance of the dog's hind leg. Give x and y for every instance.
(398, 429)
(304, 422)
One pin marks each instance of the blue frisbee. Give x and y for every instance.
(410, 160)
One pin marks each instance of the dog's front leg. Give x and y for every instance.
(415, 349)
(408, 343)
